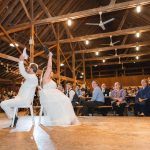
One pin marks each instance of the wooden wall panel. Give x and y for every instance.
(125, 80)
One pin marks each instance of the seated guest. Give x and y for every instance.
(97, 100)
(118, 95)
(105, 90)
(142, 100)
(77, 90)
(60, 87)
(72, 94)
(69, 91)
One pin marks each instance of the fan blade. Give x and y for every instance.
(102, 26)
(116, 42)
(110, 20)
(94, 24)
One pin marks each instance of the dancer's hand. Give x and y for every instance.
(21, 58)
(39, 88)
(50, 54)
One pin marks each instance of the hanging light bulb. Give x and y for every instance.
(137, 48)
(82, 73)
(61, 64)
(96, 53)
(87, 42)
(12, 45)
(104, 60)
(138, 9)
(137, 57)
(137, 34)
(69, 22)
(81, 77)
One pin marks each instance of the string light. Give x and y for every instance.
(96, 53)
(138, 34)
(61, 64)
(137, 48)
(137, 57)
(12, 45)
(138, 9)
(104, 60)
(69, 22)
(87, 42)
(81, 77)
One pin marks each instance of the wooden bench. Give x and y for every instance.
(78, 108)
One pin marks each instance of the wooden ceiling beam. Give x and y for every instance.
(118, 63)
(86, 13)
(10, 39)
(25, 9)
(94, 11)
(104, 35)
(114, 57)
(101, 49)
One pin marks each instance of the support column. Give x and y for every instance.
(58, 57)
(91, 70)
(31, 42)
(84, 77)
(73, 67)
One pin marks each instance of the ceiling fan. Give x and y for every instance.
(101, 24)
(111, 42)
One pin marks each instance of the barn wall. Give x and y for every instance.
(125, 80)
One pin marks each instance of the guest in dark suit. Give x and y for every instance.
(105, 90)
(142, 100)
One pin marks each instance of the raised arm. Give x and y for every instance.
(22, 68)
(48, 69)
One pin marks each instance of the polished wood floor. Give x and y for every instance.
(94, 133)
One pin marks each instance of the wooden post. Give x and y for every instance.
(91, 69)
(73, 67)
(31, 42)
(84, 77)
(58, 57)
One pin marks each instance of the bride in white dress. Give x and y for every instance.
(56, 104)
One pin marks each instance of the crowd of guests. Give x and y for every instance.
(5, 95)
(100, 95)
(117, 96)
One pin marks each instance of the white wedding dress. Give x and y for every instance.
(57, 106)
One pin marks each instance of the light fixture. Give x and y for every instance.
(61, 64)
(137, 34)
(69, 22)
(95, 65)
(82, 73)
(137, 57)
(96, 53)
(87, 42)
(104, 60)
(137, 48)
(81, 77)
(138, 9)
(12, 45)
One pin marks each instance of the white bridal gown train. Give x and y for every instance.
(57, 106)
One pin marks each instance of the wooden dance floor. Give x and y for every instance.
(94, 133)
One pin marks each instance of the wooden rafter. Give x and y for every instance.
(9, 38)
(104, 35)
(101, 49)
(26, 10)
(94, 11)
(115, 57)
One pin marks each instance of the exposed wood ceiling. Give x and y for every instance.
(48, 18)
